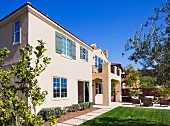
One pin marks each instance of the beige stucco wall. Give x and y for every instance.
(6, 37)
(99, 52)
(60, 66)
(106, 78)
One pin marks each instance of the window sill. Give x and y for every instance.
(65, 56)
(59, 99)
(15, 44)
(84, 60)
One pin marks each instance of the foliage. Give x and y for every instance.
(147, 82)
(75, 107)
(132, 76)
(58, 111)
(49, 113)
(150, 45)
(131, 116)
(81, 106)
(157, 100)
(52, 120)
(90, 104)
(68, 109)
(46, 113)
(13, 94)
(164, 91)
(135, 92)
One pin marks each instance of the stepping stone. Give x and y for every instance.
(73, 122)
(93, 114)
(61, 124)
(84, 117)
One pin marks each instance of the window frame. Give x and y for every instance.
(16, 32)
(99, 88)
(60, 83)
(84, 52)
(66, 46)
(98, 62)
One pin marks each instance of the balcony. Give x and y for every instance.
(99, 70)
(107, 71)
(113, 71)
(96, 70)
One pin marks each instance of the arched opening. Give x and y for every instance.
(115, 91)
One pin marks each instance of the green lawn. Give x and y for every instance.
(128, 116)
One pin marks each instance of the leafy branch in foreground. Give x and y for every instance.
(151, 44)
(14, 109)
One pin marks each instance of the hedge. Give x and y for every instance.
(45, 113)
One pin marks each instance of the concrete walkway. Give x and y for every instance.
(83, 118)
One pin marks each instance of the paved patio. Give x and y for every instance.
(83, 118)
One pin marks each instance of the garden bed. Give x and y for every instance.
(72, 115)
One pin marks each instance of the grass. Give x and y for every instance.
(130, 116)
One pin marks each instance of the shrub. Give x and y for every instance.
(86, 105)
(90, 104)
(45, 113)
(81, 105)
(67, 109)
(75, 107)
(58, 111)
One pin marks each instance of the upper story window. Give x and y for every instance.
(118, 71)
(17, 32)
(59, 87)
(65, 46)
(113, 69)
(83, 53)
(98, 62)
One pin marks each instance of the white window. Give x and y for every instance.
(16, 32)
(59, 87)
(83, 53)
(66, 49)
(98, 62)
(99, 89)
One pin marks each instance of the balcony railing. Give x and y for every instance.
(96, 70)
(112, 70)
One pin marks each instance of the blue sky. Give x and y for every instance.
(108, 23)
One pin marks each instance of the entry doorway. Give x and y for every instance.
(83, 91)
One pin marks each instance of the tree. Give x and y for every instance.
(132, 80)
(13, 108)
(132, 77)
(147, 82)
(150, 45)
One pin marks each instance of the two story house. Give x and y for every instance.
(78, 72)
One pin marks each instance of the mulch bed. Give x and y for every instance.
(74, 114)
(71, 115)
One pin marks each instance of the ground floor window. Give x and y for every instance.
(59, 87)
(99, 89)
